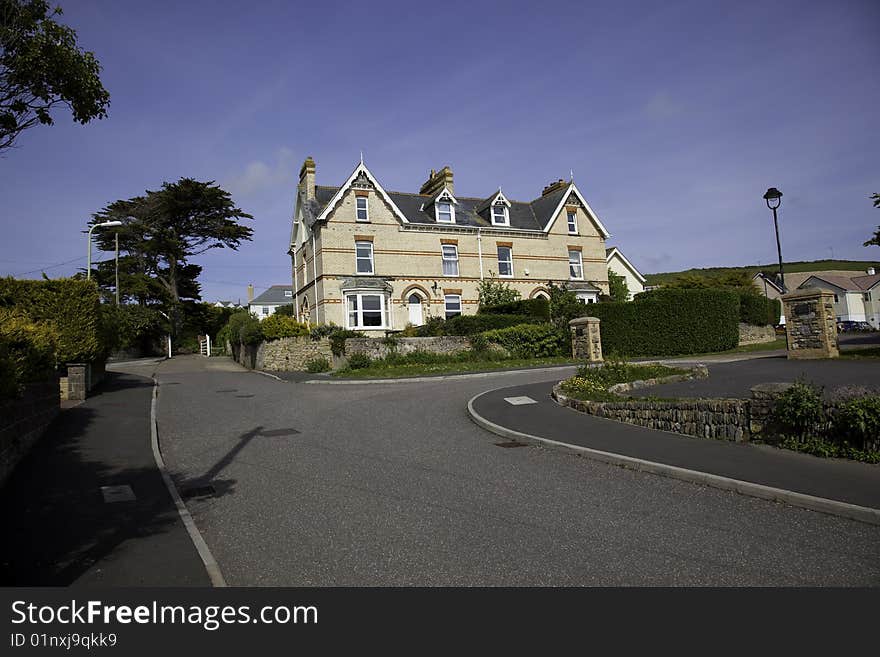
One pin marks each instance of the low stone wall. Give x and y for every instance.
(698, 371)
(24, 420)
(381, 347)
(283, 355)
(750, 334)
(80, 379)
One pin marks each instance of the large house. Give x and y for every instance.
(856, 294)
(375, 260)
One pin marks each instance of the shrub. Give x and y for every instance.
(136, 328)
(492, 292)
(278, 326)
(668, 322)
(338, 338)
(528, 340)
(592, 383)
(857, 422)
(319, 364)
(472, 324)
(799, 412)
(539, 308)
(71, 305)
(323, 331)
(27, 351)
(242, 328)
(434, 326)
(564, 306)
(287, 310)
(758, 310)
(359, 361)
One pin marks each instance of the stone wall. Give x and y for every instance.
(284, 355)
(24, 420)
(381, 347)
(810, 324)
(750, 334)
(80, 379)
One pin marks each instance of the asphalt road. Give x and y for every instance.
(392, 484)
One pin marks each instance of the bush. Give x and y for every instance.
(799, 411)
(278, 326)
(492, 292)
(857, 422)
(338, 338)
(669, 322)
(242, 328)
(592, 383)
(758, 310)
(71, 305)
(359, 361)
(319, 364)
(323, 331)
(539, 308)
(473, 324)
(528, 340)
(136, 328)
(287, 310)
(27, 351)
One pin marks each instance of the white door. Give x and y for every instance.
(415, 310)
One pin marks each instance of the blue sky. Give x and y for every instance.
(674, 117)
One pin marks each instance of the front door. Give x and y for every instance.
(415, 310)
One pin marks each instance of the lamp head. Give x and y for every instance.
(773, 197)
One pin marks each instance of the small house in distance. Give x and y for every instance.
(268, 302)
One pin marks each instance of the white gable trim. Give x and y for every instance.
(768, 280)
(590, 213)
(616, 252)
(804, 285)
(360, 168)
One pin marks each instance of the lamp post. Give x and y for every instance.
(773, 197)
(106, 224)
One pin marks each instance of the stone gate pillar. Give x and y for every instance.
(586, 343)
(810, 324)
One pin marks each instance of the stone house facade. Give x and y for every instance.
(372, 260)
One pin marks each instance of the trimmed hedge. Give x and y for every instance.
(758, 310)
(278, 326)
(669, 322)
(472, 324)
(528, 340)
(73, 306)
(531, 307)
(27, 351)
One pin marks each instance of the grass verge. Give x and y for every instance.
(384, 371)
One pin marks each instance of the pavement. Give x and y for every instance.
(833, 479)
(58, 530)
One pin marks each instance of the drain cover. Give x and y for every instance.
(279, 432)
(512, 443)
(198, 491)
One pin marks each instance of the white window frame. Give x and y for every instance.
(359, 311)
(357, 209)
(579, 264)
(443, 255)
(571, 217)
(358, 258)
(505, 215)
(288, 294)
(509, 251)
(264, 311)
(446, 299)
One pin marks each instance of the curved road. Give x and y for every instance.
(392, 484)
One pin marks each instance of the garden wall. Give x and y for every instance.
(751, 334)
(381, 347)
(24, 420)
(284, 354)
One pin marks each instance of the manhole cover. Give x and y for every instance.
(519, 401)
(113, 494)
(279, 432)
(198, 491)
(228, 390)
(512, 443)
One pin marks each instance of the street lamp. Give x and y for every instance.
(106, 224)
(774, 198)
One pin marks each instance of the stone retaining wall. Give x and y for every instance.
(381, 347)
(283, 355)
(750, 334)
(24, 420)
(80, 379)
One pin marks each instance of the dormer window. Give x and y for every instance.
(444, 209)
(500, 217)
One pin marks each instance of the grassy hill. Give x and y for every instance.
(790, 268)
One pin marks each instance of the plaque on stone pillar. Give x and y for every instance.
(810, 324)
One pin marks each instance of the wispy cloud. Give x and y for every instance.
(258, 176)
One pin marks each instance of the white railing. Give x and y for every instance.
(205, 345)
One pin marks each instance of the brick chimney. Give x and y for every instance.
(307, 178)
(437, 181)
(554, 186)
(250, 292)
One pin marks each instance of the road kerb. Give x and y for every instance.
(820, 504)
(201, 546)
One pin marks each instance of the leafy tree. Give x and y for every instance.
(617, 286)
(564, 306)
(41, 66)
(161, 231)
(493, 292)
(875, 240)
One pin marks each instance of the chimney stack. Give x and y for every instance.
(871, 271)
(554, 186)
(307, 178)
(437, 181)
(250, 292)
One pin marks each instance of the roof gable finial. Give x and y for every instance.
(571, 175)
(362, 157)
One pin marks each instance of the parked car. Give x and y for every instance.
(849, 326)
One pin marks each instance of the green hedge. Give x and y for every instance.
(71, 305)
(278, 326)
(758, 310)
(27, 351)
(531, 307)
(529, 340)
(669, 322)
(471, 324)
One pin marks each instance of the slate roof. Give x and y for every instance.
(524, 216)
(845, 282)
(274, 295)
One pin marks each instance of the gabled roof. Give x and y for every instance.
(614, 251)
(767, 279)
(274, 295)
(847, 283)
